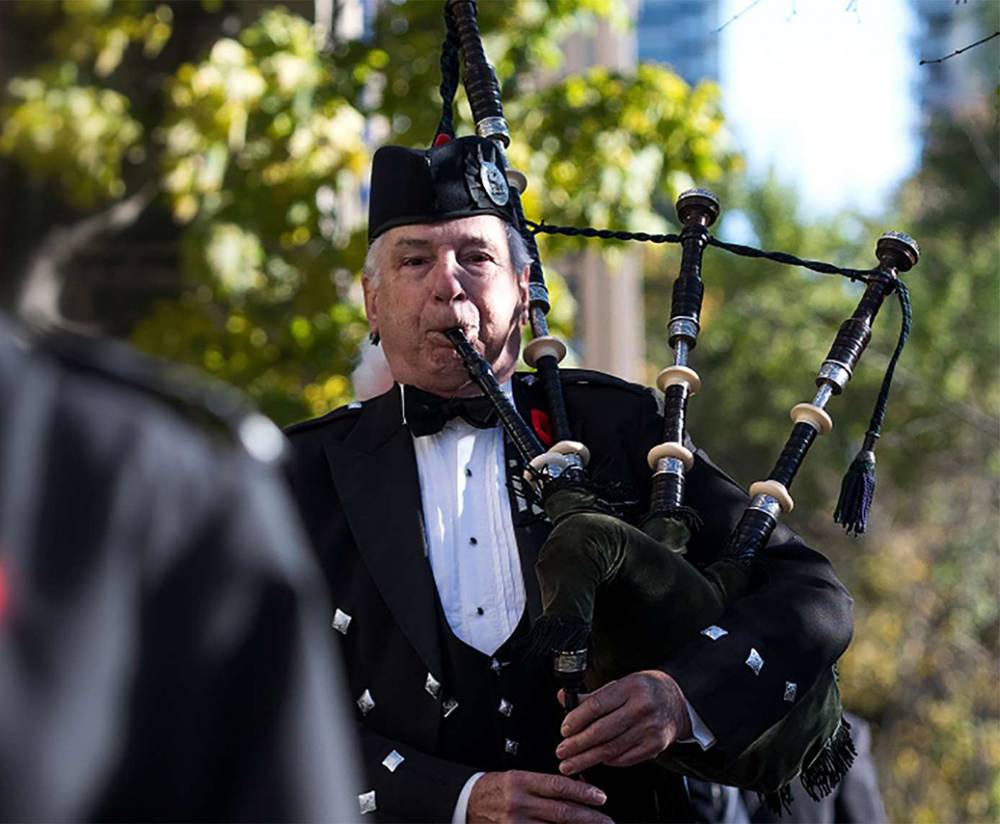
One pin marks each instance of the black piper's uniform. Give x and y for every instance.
(162, 654)
(430, 699)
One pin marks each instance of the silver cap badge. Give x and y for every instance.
(494, 181)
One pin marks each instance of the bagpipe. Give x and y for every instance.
(617, 598)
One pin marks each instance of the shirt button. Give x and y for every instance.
(468, 472)
(479, 611)
(473, 541)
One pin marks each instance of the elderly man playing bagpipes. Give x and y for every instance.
(552, 606)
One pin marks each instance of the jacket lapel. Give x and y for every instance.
(375, 472)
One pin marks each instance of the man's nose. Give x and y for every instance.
(447, 278)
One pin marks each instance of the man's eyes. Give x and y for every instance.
(477, 257)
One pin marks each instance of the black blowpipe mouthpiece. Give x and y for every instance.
(523, 438)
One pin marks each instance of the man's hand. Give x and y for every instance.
(625, 722)
(527, 796)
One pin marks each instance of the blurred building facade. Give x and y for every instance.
(947, 87)
(610, 337)
(682, 35)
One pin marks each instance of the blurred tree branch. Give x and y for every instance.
(43, 280)
(960, 51)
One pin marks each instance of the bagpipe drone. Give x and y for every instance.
(617, 598)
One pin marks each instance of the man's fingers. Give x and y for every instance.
(555, 798)
(604, 753)
(580, 696)
(639, 753)
(644, 711)
(565, 789)
(604, 729)
(595, 705)
(565, 812)
(518, 795)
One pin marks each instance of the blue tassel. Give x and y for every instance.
(857, 491)
(858, 488)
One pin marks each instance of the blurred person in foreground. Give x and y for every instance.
(428, 541)
(161, 649)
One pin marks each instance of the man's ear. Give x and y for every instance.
(371, 303)
(522, 288)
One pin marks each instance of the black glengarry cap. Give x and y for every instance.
(460, 178)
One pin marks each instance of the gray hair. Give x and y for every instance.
(519, 255)
(518, 249)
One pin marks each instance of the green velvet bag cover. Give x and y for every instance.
(634, 597)
(650, 597)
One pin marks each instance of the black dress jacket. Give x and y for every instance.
(355, 477)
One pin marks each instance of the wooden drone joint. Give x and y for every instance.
(813, 415)
(572, 448)
(542, 347)
(682, 375)
(776, 490)
(670, 449)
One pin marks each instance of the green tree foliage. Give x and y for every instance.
(926, 664)
(261, 144)
(604, 146)
(64, 120)
(257, 147)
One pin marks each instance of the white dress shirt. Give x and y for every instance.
(470, 535)
(471, 544)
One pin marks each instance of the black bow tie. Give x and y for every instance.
(426, 414)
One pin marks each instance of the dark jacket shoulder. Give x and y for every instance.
(588, 390)
(340, 422)
(590, 377)
(586, 385)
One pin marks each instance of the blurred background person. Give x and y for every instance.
(162, 646)
(855, 800)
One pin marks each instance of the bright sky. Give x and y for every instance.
(823, 91)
